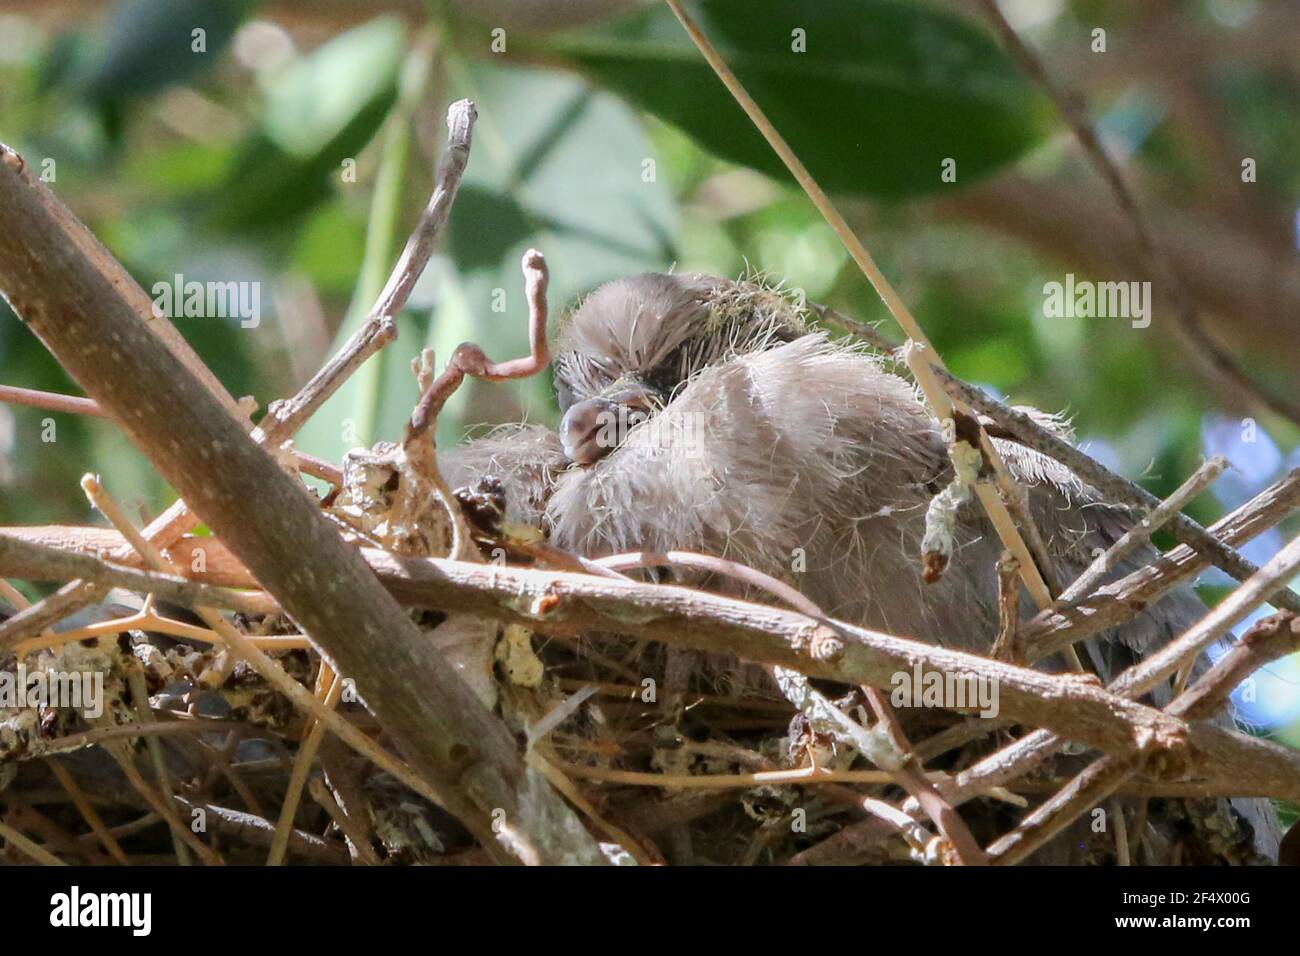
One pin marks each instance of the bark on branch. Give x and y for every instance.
(87, 311)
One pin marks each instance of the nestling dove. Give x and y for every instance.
(702, 414)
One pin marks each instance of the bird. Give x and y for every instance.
(710, 415)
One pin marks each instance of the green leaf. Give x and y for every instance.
(884, 94)
(324, 109)
(151, 44)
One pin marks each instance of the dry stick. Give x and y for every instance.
(1151, 252)
(121, 753)
(15, 597)
(1033, 566)
(273, 526)
(255, 829)
(356, 840)
(1004, 645)
(1270, 639)
(33, 561)
(143, 709)
(469, 359)
(301, 769)
(50, 401)
(564, 603)
(58, 402)
(380, 326)
(30, 847)
(863, 330)
(148, 620)
(1140, 533)
(1112, 486)
(87, 811)
(560, 782)
(274, 674)
(1116, 603)
(885, 745)
(1232, 610)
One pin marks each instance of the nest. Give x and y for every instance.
(573, 713)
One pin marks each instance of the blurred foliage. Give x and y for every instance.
(298, 154)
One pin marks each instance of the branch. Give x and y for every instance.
(1112, 486)
(1071, 706)
(380, 327)
(83, 312)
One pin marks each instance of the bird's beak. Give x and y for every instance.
(591, 429)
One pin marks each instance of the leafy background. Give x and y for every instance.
(605, 141)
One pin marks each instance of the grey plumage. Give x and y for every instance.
(763, 441)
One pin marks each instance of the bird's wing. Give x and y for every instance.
(1077, 524)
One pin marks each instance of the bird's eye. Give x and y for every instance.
(563, 395)
(635, 416)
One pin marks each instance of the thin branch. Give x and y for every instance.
(1120, 601)
(380, 327)
(1141, 533)
(1032, 566)
(1112, 486)
(461, 751)
(469, 359)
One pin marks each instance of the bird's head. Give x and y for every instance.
(632, 344)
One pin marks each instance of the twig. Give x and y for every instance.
(1115, 603)
(143, 710)
(380, 327)
(50, 401)
(254, 829)
(37, 852)
(1140, 533)
(301, 769)
(355, 838)
(1004, 645)
(163, 806)
(469, 359)
(1112, 486)
(33, 561)
(1031, 565)
(87, 811)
